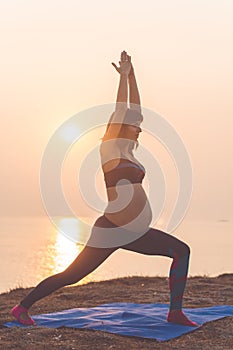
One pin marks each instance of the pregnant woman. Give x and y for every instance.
(128, 210)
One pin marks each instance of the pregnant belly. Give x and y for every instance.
(129, 207)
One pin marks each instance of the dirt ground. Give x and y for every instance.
(200, 292)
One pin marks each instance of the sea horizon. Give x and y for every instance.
(32, 249)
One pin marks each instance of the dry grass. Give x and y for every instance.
(200, 292)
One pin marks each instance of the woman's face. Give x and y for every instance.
(130, 132)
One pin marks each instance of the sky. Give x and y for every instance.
(56, 61)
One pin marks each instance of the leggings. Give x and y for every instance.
(153, 242)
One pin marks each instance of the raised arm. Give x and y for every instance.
(109, 152)
(122, 96)
(122, 93)
(134, 97)
(123, 70)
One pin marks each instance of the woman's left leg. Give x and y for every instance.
(156, 242)
(85, 263)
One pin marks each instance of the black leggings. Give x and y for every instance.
(153, 242)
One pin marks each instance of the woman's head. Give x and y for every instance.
(126, 136)
(128, 129)
(130, 132)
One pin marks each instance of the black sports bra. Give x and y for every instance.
(126, 169)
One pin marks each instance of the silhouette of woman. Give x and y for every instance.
(128, 210)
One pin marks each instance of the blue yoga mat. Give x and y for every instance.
(139, 320)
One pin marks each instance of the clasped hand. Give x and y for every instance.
(124, 64)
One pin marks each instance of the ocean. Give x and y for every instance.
(31, 249)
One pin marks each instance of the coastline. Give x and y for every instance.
(201, 291)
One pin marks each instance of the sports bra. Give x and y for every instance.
(126, 169)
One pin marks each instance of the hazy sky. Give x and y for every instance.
(56, 61)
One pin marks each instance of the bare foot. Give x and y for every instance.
(177, 316)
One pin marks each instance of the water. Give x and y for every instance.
(31, 249)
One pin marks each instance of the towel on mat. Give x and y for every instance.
(139, 320)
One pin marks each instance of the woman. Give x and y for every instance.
(128, 210)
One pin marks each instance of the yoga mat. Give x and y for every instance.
(139, 320)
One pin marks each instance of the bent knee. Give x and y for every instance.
(184, 249)
(181, 250)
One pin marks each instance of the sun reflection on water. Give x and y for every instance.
(65, 252)
(61, 250)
